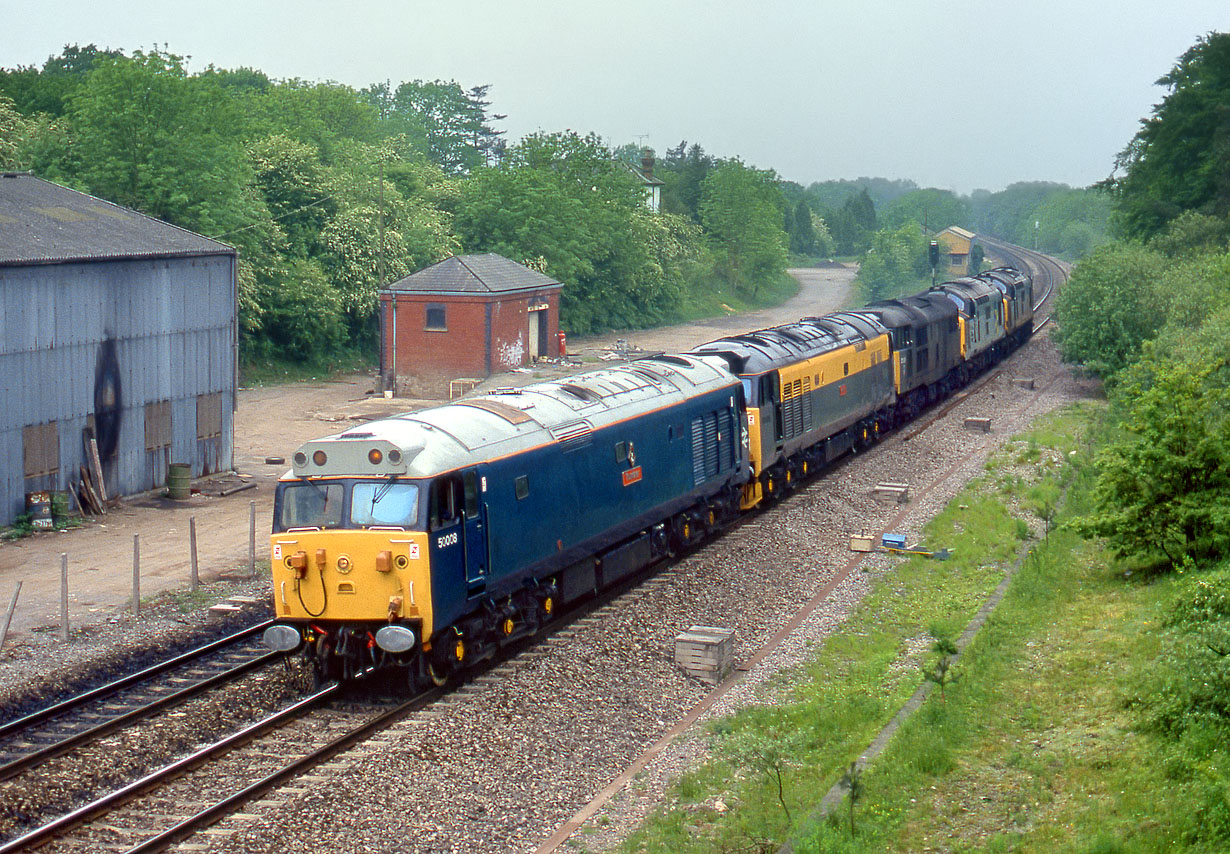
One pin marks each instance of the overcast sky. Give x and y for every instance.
(956, 95)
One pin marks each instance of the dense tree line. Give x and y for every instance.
(328, 192)
(1150, 315)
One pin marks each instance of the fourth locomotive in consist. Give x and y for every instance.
(428, 540)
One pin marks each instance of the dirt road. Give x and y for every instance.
(272, 422)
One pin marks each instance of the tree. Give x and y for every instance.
(802, 230)
(934, 209)
(1109, 307)
(1180, 158)
(12, 129)
(741, 210)
(565, 199)
(150, 137)
(458, 132)
(895, 264)
(48, 91)
(683, 171)
(1165, 485)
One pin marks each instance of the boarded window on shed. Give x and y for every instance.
(523, 486)
(209, 415)
(41, 449)
(157, 425)
(435, 318)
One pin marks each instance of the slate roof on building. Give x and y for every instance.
(474, 274)
(44, 223)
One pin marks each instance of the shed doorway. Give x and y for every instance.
(537, 332)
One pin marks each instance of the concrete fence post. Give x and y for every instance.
(196, 578)
(8, 617)
(252, 539)
(64, 596)
(136, 575)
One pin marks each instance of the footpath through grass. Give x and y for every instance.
(1043, 742)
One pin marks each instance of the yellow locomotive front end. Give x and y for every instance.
(349, 560)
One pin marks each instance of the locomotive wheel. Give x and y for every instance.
(437, 674)
(681, 532)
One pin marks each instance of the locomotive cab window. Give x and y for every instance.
(384, 503)
(845, 369)
(311, 505)
(470, 483)
(447, 502)
(621, 452)
(522, 485)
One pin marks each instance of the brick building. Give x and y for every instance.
(467, 317)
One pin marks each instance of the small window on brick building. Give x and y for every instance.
(435, 318)
(209, 415)
(41, 449)
(157, 425)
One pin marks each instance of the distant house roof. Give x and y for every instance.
(646, 178)
(474, 274)
(960, 232)
(44, 223)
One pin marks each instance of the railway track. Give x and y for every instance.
(171, 803)
(29, 741)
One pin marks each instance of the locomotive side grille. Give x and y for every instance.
(572, 436)
(704, 448)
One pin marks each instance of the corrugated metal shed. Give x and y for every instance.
(114, 325)
(487, 273)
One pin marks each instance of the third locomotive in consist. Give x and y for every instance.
(429, 540)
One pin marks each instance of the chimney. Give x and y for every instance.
(647, 164)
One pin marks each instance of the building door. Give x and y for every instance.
(537, 332)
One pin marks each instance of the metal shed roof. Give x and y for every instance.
(44, 223)
(487, 273)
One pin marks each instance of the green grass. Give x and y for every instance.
(1048, 741)
(253, 372)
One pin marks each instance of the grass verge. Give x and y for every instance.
(1039, 744)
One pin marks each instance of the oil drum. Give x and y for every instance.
(178, 477)
(38, 505)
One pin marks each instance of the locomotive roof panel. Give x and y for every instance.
(509, 421)
(765, 349)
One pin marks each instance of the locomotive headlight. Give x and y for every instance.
(395, 638)
(375, 457)
(343, 563)
(282, 638)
